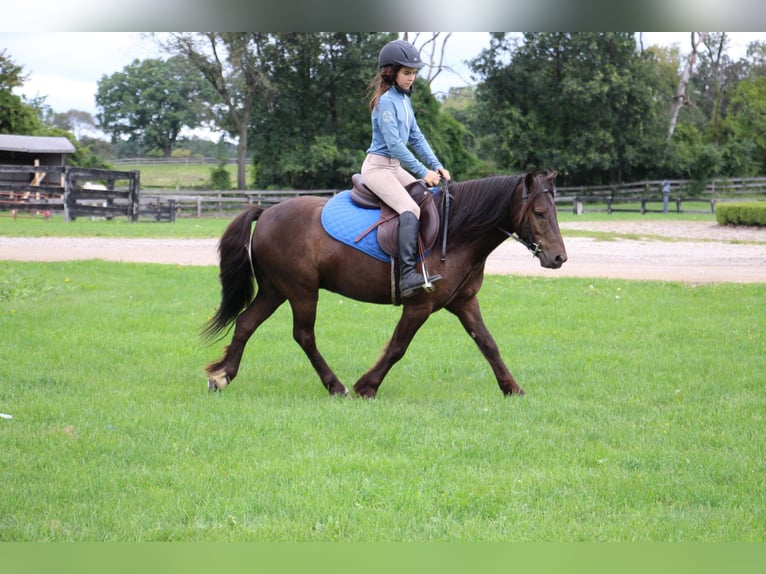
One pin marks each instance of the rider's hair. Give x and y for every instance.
(381, 83)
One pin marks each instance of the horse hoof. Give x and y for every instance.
(366, 393)
(340, 391)
(218, 382)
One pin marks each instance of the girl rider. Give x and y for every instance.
(390, 165)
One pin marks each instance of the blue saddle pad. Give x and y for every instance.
(344, 221)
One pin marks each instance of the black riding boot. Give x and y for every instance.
(410, 280)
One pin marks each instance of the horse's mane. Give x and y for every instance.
(478, 205)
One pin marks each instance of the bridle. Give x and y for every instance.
(527, 241)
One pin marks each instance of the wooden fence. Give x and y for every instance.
(682, 196)
(171, 161)
(108, 193)
(222, 203)
(82, 192)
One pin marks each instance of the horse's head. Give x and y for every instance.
(537, 225)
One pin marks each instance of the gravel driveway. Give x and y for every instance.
(693, 252)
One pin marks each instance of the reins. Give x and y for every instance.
(445, 219)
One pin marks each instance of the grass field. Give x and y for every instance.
(182, 176)
(643, 419)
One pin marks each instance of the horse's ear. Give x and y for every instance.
(529, 180)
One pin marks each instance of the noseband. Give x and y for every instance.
(526, 241)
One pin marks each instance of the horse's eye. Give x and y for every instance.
(539, 214)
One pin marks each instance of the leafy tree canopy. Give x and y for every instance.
(152, 101)
(16, 115)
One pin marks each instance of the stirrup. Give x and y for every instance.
(412, 289)
(428, 285)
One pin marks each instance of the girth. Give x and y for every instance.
(388, 224)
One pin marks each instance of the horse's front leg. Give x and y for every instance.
(411, 320)
(469, 313)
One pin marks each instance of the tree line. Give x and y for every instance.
(598, 108)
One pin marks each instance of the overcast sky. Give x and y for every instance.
(66, 66)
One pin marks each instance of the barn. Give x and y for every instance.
(34, 176)
(34, 151)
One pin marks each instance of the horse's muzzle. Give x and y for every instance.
(552, 262)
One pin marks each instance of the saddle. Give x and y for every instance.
(388, 224)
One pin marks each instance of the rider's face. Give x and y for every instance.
(405, 77)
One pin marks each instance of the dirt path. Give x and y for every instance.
(693, 252)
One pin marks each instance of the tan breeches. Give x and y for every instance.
(387, 179)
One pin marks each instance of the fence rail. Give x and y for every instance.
(75, 197)
(201, 203)
(660, 196)
(171, 161)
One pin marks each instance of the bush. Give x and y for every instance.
(220, 177)
(742, 213)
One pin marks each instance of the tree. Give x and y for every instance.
(448, 137)
(237, 66)
(151, 102)
(748, 116)
(585, 104)
(681, 97)
(314, 129)
(16, 115)
(432, 50)
(75, 121)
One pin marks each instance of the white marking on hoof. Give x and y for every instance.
(217, 381)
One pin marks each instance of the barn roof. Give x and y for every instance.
(35, 144)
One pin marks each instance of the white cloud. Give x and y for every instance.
(66, 66)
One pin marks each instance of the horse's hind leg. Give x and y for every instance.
(221, 373)
(304, 317)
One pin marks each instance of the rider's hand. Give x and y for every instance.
(445, 174)
(431, 178)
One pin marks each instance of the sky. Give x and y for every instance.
(65, 67)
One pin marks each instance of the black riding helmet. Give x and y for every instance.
(400, 53)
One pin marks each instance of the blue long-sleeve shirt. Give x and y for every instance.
(393, 127)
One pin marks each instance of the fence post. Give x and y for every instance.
(65, 198)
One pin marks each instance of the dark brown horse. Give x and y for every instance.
(291, 258)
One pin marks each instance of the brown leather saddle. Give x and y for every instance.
(388, 224)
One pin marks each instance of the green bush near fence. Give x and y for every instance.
(744, 213)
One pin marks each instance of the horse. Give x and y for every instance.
(291, 257)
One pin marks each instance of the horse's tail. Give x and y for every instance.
(236, 271)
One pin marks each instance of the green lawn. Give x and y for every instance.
(182, 176)
(643, 419)
(30, 225)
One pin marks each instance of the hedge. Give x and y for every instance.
(741, 213)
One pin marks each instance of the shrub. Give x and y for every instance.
(220, 177)
(741, 213)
